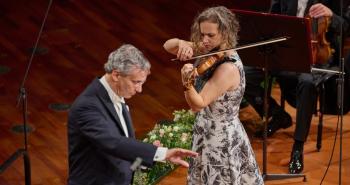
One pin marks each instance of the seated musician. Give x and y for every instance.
(299, 89)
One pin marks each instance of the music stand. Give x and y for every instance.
(293, 54)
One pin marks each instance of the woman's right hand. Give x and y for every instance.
(185, 50)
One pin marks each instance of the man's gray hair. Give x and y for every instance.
(126, 58)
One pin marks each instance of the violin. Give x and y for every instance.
(204, 65)
(208, 62)
(321, 49)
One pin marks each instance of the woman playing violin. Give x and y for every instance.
(225, 153)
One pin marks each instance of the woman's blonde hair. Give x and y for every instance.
(228, 26)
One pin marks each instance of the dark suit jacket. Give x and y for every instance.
(289, 7)
(99, 152)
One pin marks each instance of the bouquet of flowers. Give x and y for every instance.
(170, 134)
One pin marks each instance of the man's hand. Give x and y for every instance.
(176, 155)
(319, 10)
(157, 143)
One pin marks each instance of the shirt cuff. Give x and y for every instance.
(160, 154)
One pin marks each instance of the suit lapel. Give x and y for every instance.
(128, 121)
(107, 102)
(114, 114)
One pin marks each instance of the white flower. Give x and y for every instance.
(153, 137)
(184, 137)
(176, 128)
(177, 117)
(171, 134)
(161, 132)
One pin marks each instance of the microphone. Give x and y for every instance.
(339, 92)
(136, 164)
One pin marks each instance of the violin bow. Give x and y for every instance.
(260, 43)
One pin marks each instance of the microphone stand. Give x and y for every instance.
(340, 90)
(136, 164)
(22, 98)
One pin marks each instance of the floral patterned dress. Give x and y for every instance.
(225, 153)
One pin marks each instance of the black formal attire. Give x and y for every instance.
(99, 151)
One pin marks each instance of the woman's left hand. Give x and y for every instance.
(187, 73)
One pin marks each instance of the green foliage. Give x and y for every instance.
(171, 134)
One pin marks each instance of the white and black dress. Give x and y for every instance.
(225, 153)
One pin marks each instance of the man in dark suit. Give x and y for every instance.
(299, 89)
(102, 144)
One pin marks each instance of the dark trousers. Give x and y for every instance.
(299, 90)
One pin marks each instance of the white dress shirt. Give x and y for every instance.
(301, 7)
(117, 102)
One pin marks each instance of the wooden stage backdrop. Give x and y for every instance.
(77, 38)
